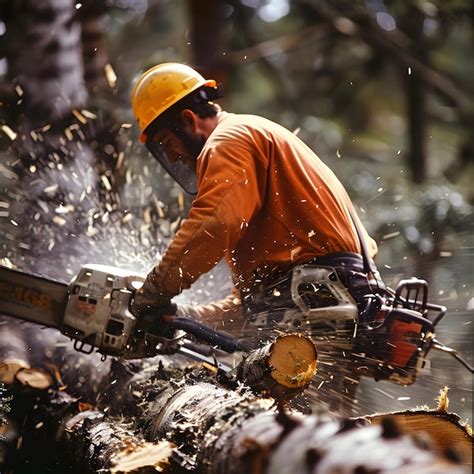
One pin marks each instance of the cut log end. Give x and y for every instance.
(293, 361)
(446, 431)
(147, 455)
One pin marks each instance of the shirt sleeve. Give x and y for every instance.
(226, 314)
(232, 182)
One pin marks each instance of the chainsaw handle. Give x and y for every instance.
(220, 339)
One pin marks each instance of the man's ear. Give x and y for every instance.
(189, 120)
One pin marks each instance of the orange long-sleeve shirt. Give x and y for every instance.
(265, 203)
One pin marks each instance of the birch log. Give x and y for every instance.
(184, 420)
(289, 363)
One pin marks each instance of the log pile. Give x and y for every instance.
(170, 415)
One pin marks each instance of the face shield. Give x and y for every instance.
(182, 172)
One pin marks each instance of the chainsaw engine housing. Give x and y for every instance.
(97, 313)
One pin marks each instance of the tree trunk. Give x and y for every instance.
(415, 90)
(205, 38)
(45, 58)
(185, 418)
(95, 52)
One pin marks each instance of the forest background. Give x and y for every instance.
(381, 90)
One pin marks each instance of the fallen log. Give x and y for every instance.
(190, 424)
(41, 357)
(220, 431)
(446, 432)
(286, 365)
(185, 420)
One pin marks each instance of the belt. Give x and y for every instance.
(350, 260)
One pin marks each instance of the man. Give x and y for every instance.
(264, 201)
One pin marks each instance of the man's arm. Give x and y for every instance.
(226, 314)
(231, 191)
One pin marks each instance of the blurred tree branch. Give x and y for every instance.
(396, 45)
(278, 45)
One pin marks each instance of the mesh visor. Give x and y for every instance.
(181, 172)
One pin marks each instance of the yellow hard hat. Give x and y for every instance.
(157, 89)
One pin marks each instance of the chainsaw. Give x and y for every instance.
(94, 311)
(386, 336)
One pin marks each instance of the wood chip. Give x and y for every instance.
(9, 368)
(110, 75)
(79, 116)
(9, 132)
(34, 378)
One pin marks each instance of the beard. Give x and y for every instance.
(193, 144)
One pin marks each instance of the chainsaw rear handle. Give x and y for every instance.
(223, 341)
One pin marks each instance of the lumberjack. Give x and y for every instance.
(300, 258)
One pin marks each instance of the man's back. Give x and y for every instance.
(290, 205)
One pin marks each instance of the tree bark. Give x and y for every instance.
(109, 445)
(185, 418)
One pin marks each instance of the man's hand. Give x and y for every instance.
(143, 304)
(150, 300)
(151, 315)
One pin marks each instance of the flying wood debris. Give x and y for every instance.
(64, 209)
(9, 132)
(110, 76)
(88, 114)
(158, 206)
(79, 116)
(59, 220)
(19, 90)
(127, 218)
(391, 235)
(106, 182)
(68, 133)
(120, 160)
(181, 202)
